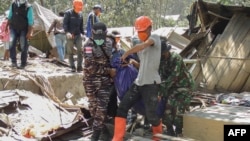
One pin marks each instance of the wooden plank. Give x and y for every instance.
(208, 64)
(201, 51)
(241, 83)
(238, 48)
(171, 138)
(220, 49)
(210, 68)
(246, 87)
(207, 124)
(195, 70)
(244, 70)
(177, 40)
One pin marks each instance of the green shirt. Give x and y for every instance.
(174, 73)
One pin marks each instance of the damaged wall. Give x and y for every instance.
(222, 46)
(226, 66)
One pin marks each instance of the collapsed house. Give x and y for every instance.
(219, 44)
(40, 102)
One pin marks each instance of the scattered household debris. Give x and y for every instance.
(35, 116)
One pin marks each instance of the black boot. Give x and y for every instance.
(170, 131)
(107, 134)
(96, 134)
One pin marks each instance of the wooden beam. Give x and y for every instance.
(217, 15)
(191, 61)
(226, 57)
(202, 15)
(171, 138)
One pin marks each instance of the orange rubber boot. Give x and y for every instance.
(120, 129)
(157, 130)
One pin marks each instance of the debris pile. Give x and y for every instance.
(30, 115)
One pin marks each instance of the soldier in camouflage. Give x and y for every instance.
(97, 75)
(176, 89)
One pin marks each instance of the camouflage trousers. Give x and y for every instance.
(97, 90)
(177, 102)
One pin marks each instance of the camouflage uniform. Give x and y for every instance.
(97, 81)
(177, 89)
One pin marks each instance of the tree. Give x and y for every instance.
(5, 4)
(117, 13)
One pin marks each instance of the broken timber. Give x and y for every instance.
(171, 138)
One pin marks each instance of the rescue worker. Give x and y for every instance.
(60, 37)
(97, 76)
(73, 27)
(117, 51)
(176, 88)
(146, 85)
(20, 21)
(93, 18)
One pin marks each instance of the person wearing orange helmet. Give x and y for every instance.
(73, 27)
(147, 83)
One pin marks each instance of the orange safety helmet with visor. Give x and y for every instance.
(141, 25)
(78, 5)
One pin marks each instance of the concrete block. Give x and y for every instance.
(208, 124)
(60, 78)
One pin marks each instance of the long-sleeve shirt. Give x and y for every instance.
(73, 22)
(57, 25)
(174, 73)
(96, 63)
(92, 18)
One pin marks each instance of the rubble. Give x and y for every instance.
(50, 70)
(34, 115)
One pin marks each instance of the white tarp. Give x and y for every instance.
(43, 18)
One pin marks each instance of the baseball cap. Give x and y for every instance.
(99, 31)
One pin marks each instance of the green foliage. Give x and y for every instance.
(117, 13)
(5, 4)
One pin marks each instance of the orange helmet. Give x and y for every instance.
(142, 23)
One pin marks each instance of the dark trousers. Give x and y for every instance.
(20, 35)
(149, 94)
(112, 105)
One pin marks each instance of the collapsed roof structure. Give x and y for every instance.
(221, 44)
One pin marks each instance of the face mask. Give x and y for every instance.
(143, 36)
(99, 42)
